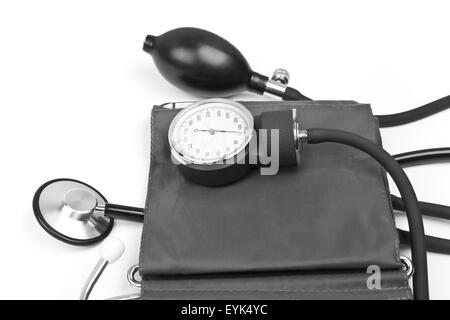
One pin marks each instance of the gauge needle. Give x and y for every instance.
(213, 131)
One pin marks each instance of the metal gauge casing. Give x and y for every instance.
(209, 139)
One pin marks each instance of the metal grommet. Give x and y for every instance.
(131, 276)
(407, 266)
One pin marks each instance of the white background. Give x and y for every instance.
(76, 91)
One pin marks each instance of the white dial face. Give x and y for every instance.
(210, 131)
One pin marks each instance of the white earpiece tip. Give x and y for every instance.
(112, 249)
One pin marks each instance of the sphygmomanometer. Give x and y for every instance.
(242, 190)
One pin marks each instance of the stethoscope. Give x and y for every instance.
(208, 65)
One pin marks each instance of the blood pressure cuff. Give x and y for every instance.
(321, 230)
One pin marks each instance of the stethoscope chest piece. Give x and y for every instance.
(69, 210)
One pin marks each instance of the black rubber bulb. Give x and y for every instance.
(201, 62)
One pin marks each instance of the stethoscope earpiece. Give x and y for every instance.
(110, 251)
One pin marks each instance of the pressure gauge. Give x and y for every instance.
(209, 141)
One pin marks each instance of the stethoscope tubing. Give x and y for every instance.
(117, 211)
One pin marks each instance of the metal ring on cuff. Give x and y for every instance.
(131, 276)
(407, 266)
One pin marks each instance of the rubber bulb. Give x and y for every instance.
(202, 63)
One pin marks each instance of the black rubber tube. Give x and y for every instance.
(128, 213)
(421, 157)
(291, 94)
(417, 239)
(401, 118)
(395, 119)
(427, 208)
(434, 244)
(416, 158)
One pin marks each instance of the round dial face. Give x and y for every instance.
(210, 131)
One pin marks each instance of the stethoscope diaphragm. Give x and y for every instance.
(68, 210)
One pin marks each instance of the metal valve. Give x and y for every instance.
(277, 84)
(281, 75)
